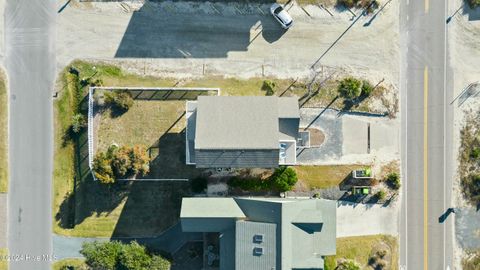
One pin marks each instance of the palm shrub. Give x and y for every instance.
(347, 265)
(380, 195)
(121, 100)
(121, 162)
(140, 160)
(350, 88)
(367, 88)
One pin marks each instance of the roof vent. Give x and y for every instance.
(258, 251)
(258, 238)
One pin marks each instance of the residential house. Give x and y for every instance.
(259, 233)
(242, 131)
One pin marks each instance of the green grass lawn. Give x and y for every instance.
(319, 177)
(360, 248)
(76, 263)
(3, 135)
(3, 263)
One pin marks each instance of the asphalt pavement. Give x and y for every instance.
(427, 125)
(30, 64)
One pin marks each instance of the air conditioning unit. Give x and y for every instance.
(258, 251)
(258, 238)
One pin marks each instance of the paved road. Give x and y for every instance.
(427, 136)
(30, 63)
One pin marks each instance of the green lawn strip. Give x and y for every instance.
(75, 263)
(3, 261)
(359, 249)
(327, 176)
(3, 135)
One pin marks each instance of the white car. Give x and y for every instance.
(281, 15)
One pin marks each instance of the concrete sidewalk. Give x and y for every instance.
(355, 219)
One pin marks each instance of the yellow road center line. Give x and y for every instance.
(427, 4)
(425, 168)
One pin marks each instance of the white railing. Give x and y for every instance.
(91, 113)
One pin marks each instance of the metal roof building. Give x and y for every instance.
(249, 131)
(268, 233)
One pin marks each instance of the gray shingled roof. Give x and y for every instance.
(227, 122)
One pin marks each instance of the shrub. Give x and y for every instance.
(140, 160)
(115, 255)
(475, 153)
(350, 88)
(380, 195)
(78, 122)
(347, 265)
(121, 100)
(134, 257)
(249, 184)
(103, 169)
(269, 87)
(102, 255)
(367, 88)
(284, 178)
(471, 187)
(198, 184)
(393, 181)
(473, 3)
(121, 162)
(159, 263)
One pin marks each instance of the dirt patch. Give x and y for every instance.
(317, 137)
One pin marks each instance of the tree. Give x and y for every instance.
(134, 257)
(350, 88)
(140, 160)
(284, 178)
(78, 122)
(100, 255)
(393, 180)
(269, 87)
(102, 168)
(121, 162)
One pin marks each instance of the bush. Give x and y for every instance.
(380, 195)
(140, 160)
(367, 88)
(347, 265)
(249, 184)
(121, 162)
(198, 184)
(78, 122)
(115, 255)
(393, 181)
(122, 100)
(284, 178)
(350, 88)
(102, 167)
(269, 87)
(134, 257)
(471, 187)
(102, 255)
(475, 153)
(473, 3)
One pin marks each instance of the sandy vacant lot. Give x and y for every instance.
(192, 38)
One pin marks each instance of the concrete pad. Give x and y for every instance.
(3, 220)
(382, 136)
(355, 136)
(366, 219)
